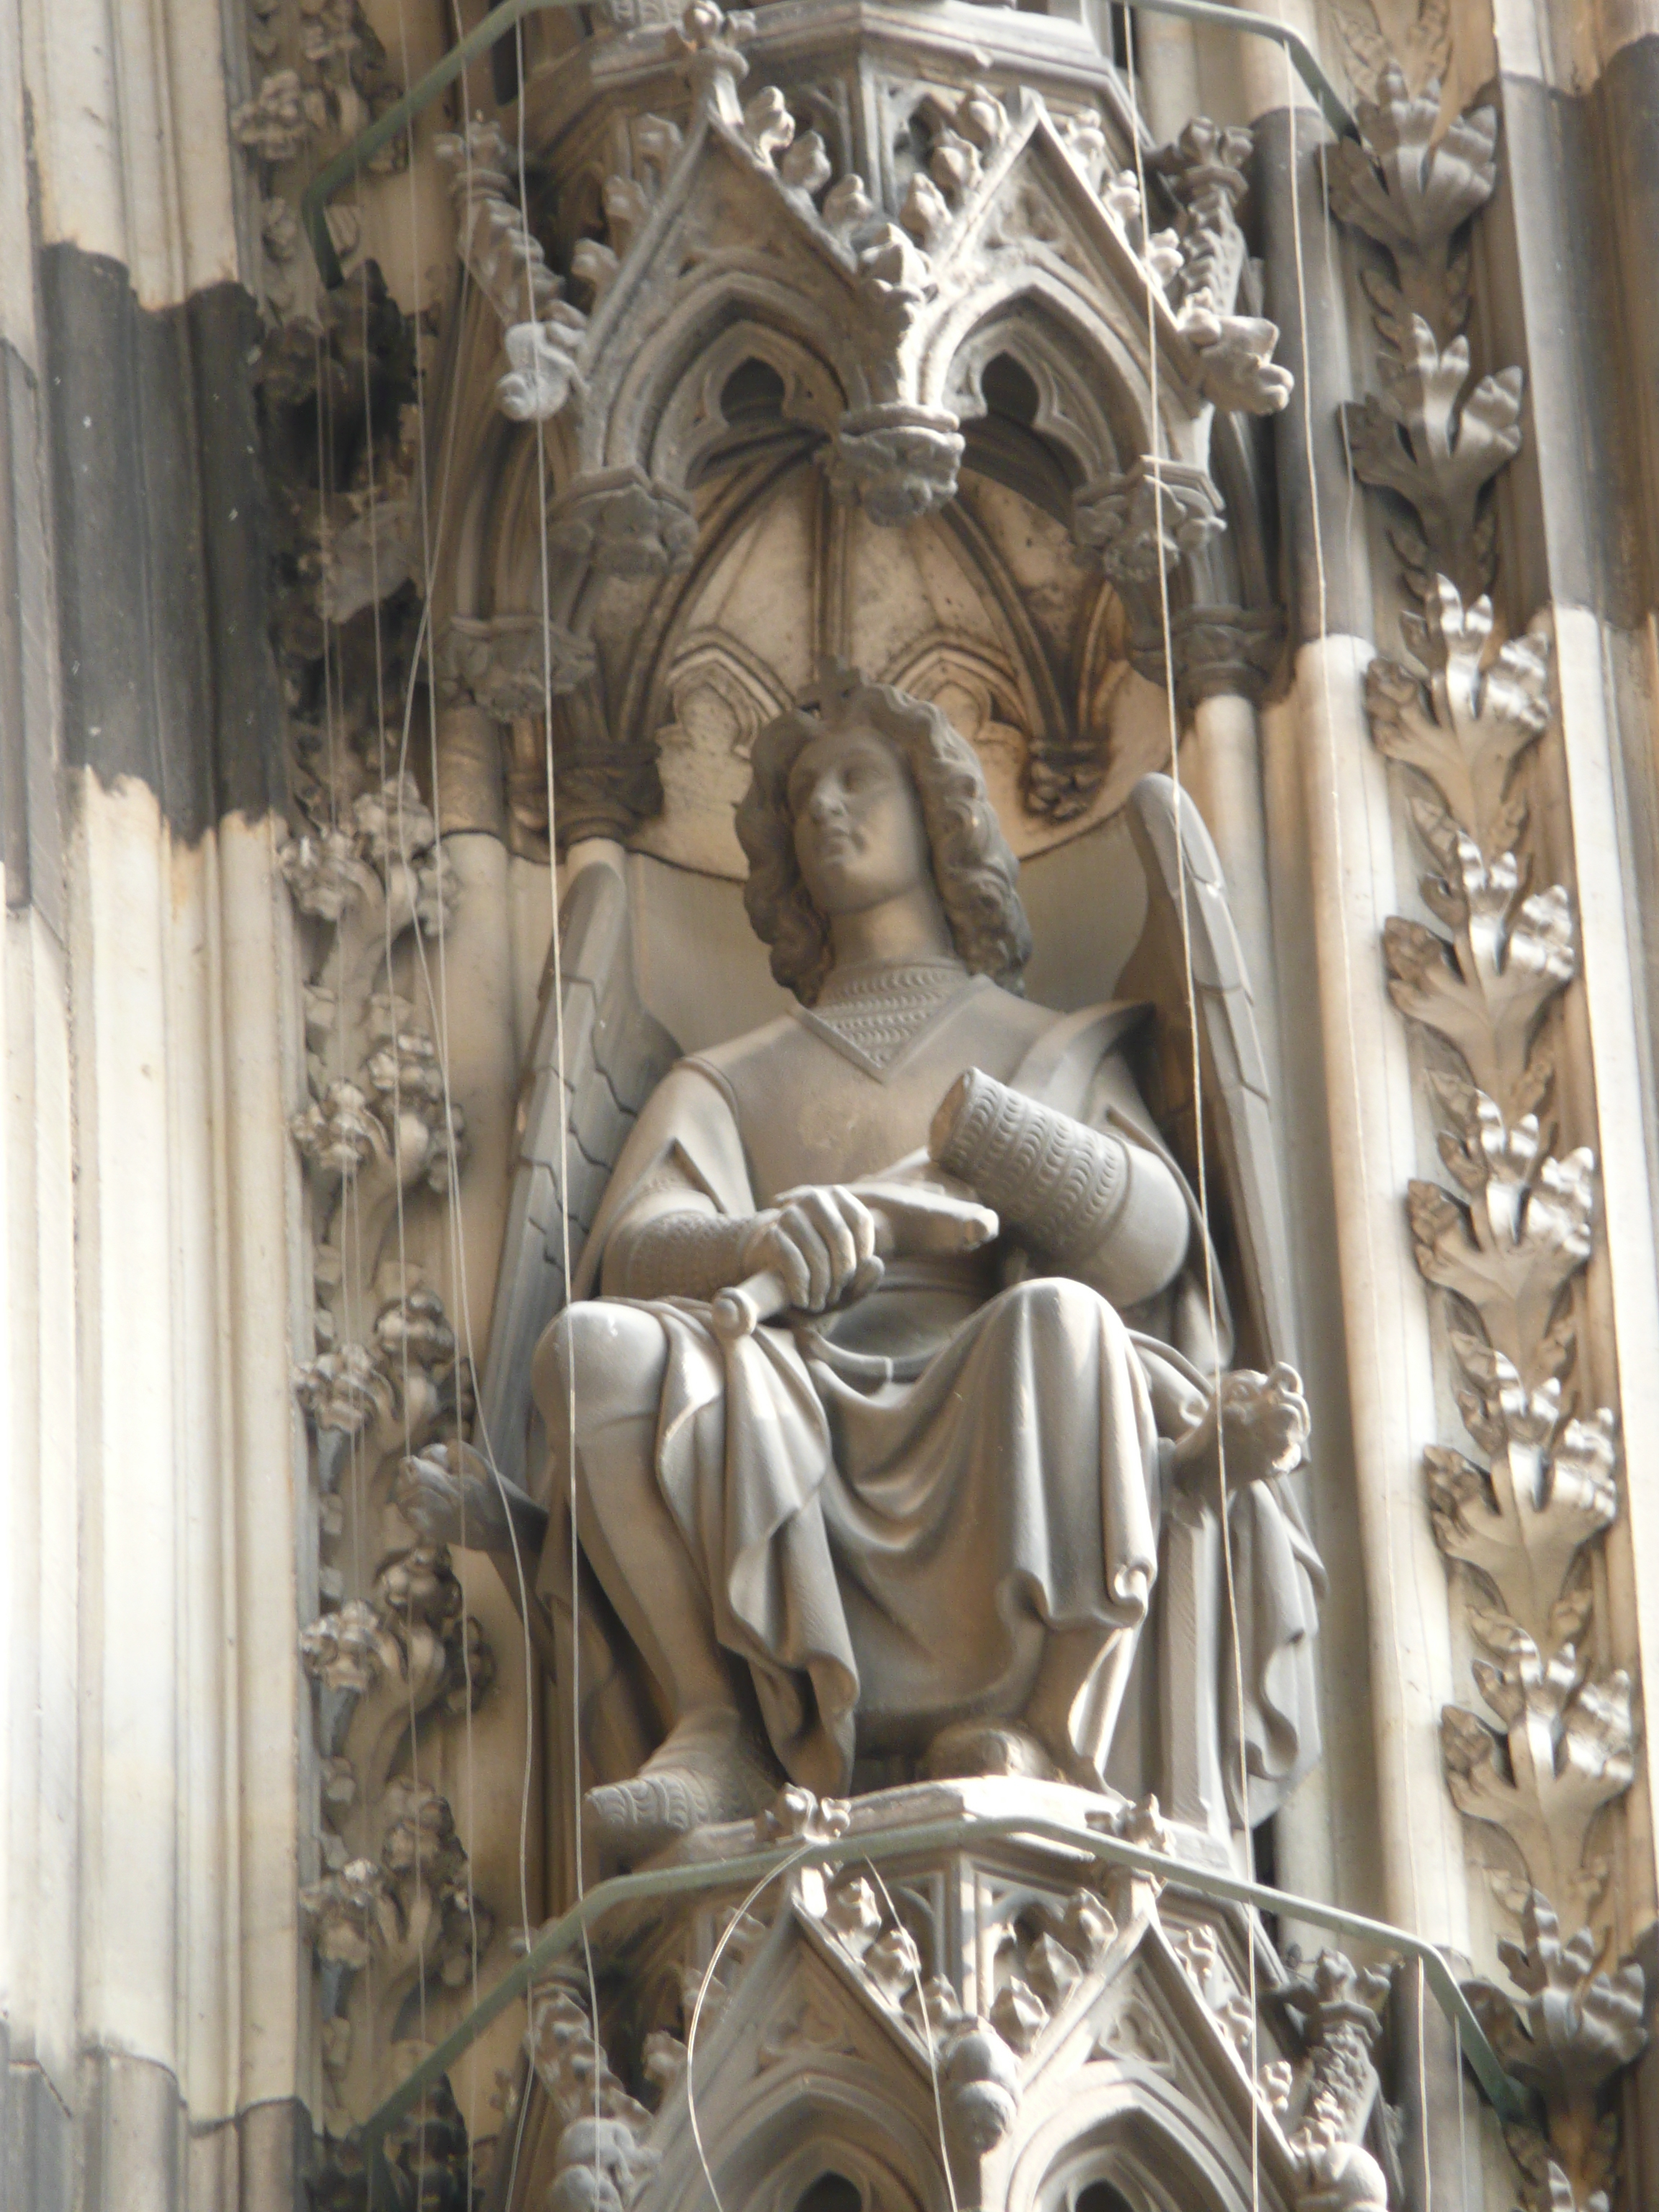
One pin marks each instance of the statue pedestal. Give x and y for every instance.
(1001, 2023)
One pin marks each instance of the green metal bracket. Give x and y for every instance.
(314, 207)
(1509, 2097)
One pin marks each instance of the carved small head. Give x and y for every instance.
(855, 802)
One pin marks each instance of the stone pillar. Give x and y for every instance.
(1367, 1088)
(153, 1723)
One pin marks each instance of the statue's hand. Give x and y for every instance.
(820, 1242)
(446, 1494)
(822, 1246)
(1256, 1428)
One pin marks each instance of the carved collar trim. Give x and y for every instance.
(875, 1016)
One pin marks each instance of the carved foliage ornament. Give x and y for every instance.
(1553, 1746)
(1429, 436)
(393, 1913)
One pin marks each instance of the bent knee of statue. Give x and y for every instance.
(607, 1356)
(1062, 1305)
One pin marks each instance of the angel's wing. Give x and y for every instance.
(614, 1052)
(1236, 1097)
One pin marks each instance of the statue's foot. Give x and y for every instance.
(972, 1747)
(707, 1770)
(1258, 1423)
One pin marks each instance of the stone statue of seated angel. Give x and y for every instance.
(901, 1350)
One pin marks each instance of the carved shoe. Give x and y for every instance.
(972, 1747)
(706, 1771)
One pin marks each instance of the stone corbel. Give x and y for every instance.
(898, 462)
(1219, 652)
(1153, 514)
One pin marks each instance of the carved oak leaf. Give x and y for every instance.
(1551, 1489)
(852, 1913)
(767, 125)
(343, 1650)
(1484, 710)
(1438, 450)
(1018, 2016)
(1511, 1253)
(1567, 1744)
(1487, 991)
(394, 823)
(1413, 192)
(346, 1390)
(344, 1910)
(622, 524)
(1156, 514)
(1573, 2028)
(1545, 2187)
(274, 124)
(324, 870)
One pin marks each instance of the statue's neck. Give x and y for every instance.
(911, 926)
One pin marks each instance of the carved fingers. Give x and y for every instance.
(821, 1242)
(1265, 1423)
(1255, 1428)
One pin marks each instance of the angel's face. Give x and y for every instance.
(861, 836)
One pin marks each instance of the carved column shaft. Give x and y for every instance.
(1391, 1379)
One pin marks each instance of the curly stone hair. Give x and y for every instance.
(973, 866)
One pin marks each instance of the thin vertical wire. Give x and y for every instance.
(578, 1868)
(1190, 983)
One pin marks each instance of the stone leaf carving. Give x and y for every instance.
(1413, 190)
(1431, 442)
(543, 333)
(1563, 1751)
(1550, 1487)
(1466, 715)
(497, 247)
(602, 2156)
(510, 663)
(394, 1655)
(1510, 953)
(407, 1913)
(1571, 2030)
(1519, 1235)
(623, 524)
(1558, 1748)
(1148, 516)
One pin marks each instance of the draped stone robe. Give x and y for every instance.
(894, 1510)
